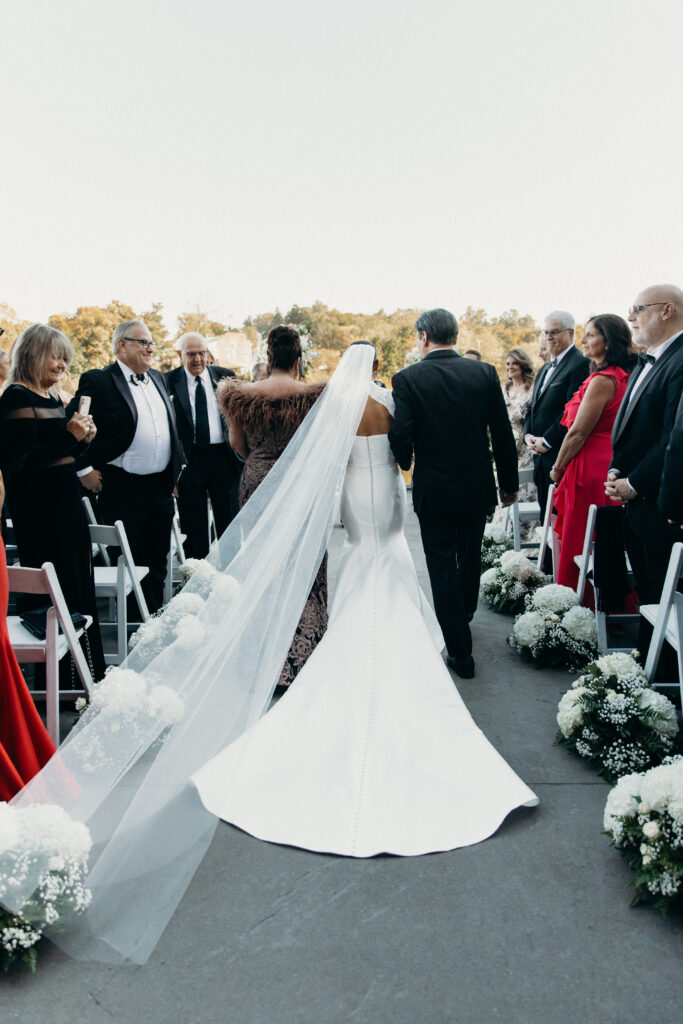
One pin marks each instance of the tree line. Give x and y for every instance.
(330, 331)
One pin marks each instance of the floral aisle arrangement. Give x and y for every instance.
(506, 585)
(555, 630)
(494, 542)
(644, 819)
(45, 841)
(611, 717)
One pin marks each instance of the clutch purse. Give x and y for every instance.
(35, 621)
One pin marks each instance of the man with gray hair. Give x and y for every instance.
(135, 461)
(555, 384)
(212, 468)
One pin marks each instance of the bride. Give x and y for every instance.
(371, 750)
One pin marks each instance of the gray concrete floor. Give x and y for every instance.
(532, 926)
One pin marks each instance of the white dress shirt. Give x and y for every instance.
(657, 353)
(215, 421)
(150, 449)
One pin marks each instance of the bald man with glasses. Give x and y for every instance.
(555, 383)
(642, 433)
(212, 469)
(136, 459)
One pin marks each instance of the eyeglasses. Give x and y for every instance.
(149, 345)
(637, 310)
(554, 334)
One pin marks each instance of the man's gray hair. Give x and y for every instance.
(439, 325)
(566, 319)
(186, 337)
(121, 329)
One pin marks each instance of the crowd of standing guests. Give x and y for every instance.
(605, 426)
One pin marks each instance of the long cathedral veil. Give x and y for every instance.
(219, 650)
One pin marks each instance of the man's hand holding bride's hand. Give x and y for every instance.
(507, 499)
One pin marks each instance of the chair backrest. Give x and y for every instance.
(586, 553)
(92, 521)
(666, 603)
(526, 476)
(23, 580)
(115, 536)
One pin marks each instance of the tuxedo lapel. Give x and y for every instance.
(122, 386)
(183, 393)
(628, 407)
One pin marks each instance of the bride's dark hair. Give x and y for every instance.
(284, 347)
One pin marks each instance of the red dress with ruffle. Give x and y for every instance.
(24, 743)
(583, 483)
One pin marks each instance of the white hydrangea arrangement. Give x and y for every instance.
(506, 585)
(644, 819)
(494, 542)
(44, 841)
(555, 630)
(201, 571)
(611, 717)
(159, 631)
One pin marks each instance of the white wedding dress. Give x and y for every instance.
(372, 749)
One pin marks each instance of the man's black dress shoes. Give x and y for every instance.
(463, 667)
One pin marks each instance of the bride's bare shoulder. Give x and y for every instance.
(376, 419)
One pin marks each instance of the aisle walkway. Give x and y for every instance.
(531, 927)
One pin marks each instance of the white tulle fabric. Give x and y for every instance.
(371, 749)
(129, 781)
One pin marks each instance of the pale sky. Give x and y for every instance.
(370, 154)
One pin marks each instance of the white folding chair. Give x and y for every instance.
(117, 582)
(52, 649)
(11, 550)
(549, 536)
(176, 557)
(667, 620)
(97, 549)
(584, 562)
(522, 511)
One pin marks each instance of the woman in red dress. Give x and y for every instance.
(24, 743)
(581, 466)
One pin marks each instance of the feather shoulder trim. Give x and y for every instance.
(253, 408)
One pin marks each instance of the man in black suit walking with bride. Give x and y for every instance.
(445, 408)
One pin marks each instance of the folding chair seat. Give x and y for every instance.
(523, 512)
(117, 582)
(667, 621)
(52, 649)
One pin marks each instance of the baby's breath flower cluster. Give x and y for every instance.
(506, 585)
(43, 842)
(494, 542)
(612, 718)
(644, 819)
(555, 630)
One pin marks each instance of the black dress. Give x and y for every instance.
(37, 456)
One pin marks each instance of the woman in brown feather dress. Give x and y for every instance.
(262, 419)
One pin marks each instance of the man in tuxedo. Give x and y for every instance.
(136, 458)
(212, 466)
(445, 404)
(556, 382)
(642, 432)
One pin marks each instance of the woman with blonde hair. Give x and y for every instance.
(38, 448)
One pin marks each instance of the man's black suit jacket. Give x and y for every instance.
(445, 405)
(671, 494)
(642, 429)
(115, 415)
(177, 385)
(546, 407)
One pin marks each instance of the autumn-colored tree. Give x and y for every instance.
(200, 321)
(12, 325)
(90, 331)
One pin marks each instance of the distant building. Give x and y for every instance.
(232, 350)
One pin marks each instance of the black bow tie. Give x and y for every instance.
(139, 378)
(644, 358)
